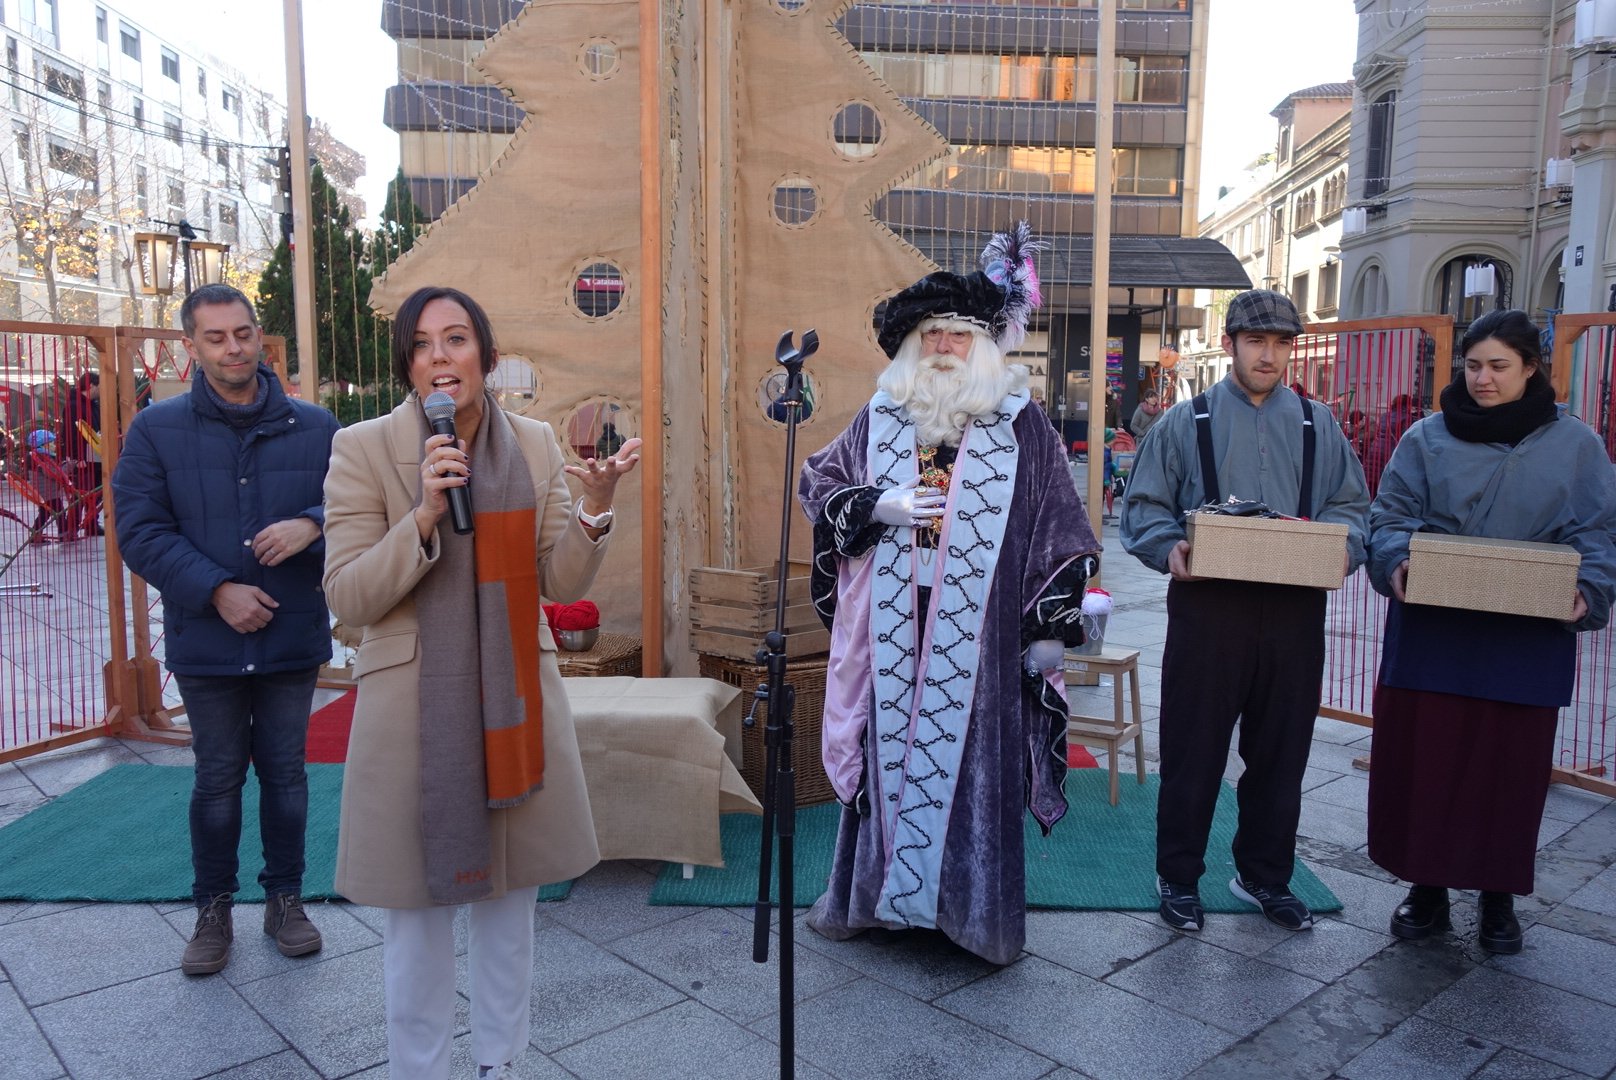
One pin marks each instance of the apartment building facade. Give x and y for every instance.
(1013, 89)
(113, 127)
(1461, 110)
(1283, 222)
(452, 123)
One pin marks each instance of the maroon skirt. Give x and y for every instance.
(1456, 788)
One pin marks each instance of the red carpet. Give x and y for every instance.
(328, 731)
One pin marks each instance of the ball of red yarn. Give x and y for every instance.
(583, 615)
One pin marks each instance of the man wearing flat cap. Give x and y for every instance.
(951, 553)
(1239, 650)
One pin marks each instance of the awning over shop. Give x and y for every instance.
(1137, 262)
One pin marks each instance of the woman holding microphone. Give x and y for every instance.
(463, 783)
(1467, 702)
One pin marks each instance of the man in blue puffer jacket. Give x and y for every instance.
(218, 504)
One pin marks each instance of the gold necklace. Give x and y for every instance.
(933, 477)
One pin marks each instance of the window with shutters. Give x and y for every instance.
(1382, 120)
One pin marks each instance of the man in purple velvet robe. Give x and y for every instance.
(951, 552)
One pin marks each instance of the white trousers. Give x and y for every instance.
(419, 973)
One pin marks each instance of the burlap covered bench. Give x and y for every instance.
(661, 761)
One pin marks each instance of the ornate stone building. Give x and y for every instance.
(1461, 109)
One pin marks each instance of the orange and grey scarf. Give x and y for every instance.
(482, 727)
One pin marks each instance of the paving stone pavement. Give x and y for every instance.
(625, 991)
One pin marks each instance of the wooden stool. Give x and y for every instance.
(1116, 732)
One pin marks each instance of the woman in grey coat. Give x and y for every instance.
(1467, 703)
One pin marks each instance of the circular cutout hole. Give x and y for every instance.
(796, 201)
(790, 7)
(598, 427)
(515, 383)
(598, 58)
(598, 289)
(771, 391)
(858, 130)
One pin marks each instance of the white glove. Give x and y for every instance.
(909, 505)
(1047, 655)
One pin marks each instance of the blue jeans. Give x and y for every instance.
(235, 719)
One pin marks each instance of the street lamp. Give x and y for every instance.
(204, 262)
(156, 252)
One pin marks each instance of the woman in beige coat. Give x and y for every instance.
(463, 782)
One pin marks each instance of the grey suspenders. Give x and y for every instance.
(1209, 463)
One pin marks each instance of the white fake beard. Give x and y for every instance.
(941, 402)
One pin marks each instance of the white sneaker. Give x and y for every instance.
(506, 1071)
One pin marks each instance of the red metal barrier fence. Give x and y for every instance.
(1378, 377)
(78, 655)
(1583, 369)
(53, 624)
(80, 650)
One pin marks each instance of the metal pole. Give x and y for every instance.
(297, 136)
(1100, 289)
(716, 184)
(651, 480)
(1529, 304)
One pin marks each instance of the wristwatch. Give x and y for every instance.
(595, 521)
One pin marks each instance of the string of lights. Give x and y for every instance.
(139, 124)
(127, 121)
(1044, 15)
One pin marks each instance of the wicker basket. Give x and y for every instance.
(807, 678)
(612, 654)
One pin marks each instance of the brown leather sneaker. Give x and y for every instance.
(285, 921)
(209, 947)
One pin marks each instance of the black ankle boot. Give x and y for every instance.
(1500, 930)
(1423, 912)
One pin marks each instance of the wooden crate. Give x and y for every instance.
(731, 610)
(807, 678)
(720, 616)
(612, 654)
(1479, 573)
(1274, 551)
(752, 587)
(744, 644)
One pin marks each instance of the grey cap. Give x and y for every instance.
(1264, 311)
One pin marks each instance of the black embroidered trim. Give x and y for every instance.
(887, 479)
(967, 562)
(1054, 742)
(846, 529)
(1056, 613)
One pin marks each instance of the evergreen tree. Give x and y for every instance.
(354, 344)
(402, 221)
(345, 330)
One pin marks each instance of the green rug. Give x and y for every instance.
(124, 837)
(1099, 857)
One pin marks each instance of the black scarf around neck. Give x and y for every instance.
(240, 417)
(1507, 423)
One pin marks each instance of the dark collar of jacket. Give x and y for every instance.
(277, 406)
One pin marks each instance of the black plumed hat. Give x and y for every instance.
(998, 298)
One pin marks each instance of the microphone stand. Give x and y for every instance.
(778, 697)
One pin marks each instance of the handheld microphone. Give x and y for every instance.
(440, 410)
